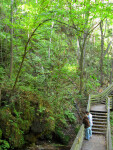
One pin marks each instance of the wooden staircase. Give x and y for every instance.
(99, 122)
(99, 105)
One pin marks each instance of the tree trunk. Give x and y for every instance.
(11, 41)
(102, 49)
(111, 74)
(49, 52)
(0, 96)
(1, 58)
(81, 69)
(82, 49)
(25, 52)
(78, 50)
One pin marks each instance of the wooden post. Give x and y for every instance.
(112, 102)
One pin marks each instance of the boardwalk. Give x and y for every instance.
(97, 142)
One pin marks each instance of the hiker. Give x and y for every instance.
(87, 127)
(89, 115)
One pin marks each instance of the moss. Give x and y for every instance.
(10, 128)
(77, 128)
(15, 123)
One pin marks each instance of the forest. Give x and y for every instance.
(53, 54)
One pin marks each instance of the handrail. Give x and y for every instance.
(108, 133)
(80, 136)
(102, 95)
(79, 139)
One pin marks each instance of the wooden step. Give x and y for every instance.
(96, 132)
(99, 119)
(99, 126)
(97, 116)
(99, 129)
(93, 111)
(97, 113)
(101, 123)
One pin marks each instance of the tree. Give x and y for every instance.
(11, 41)
(102, 49)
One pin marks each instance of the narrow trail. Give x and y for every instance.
(98, 139)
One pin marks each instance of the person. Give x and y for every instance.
(89, 115)
(87, 127)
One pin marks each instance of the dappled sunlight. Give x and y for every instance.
(71, 68)
(26, 8)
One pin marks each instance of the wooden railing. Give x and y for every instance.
(80, 136)
(79, 139)
(101, 96)
(108, 133)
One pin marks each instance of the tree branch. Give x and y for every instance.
(107, 48)
(95, 26)
(25, 52)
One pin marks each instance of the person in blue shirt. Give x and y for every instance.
(89, 115)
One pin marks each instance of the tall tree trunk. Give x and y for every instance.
(1, 56)
(111, 74)
(11, 41)
(108, 66)
(83, 46)
(82, 49)
(78, 50)
(49, 52)
(102, 49)
(0, 96)
(81, 69)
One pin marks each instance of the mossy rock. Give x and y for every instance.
(14, 123)
(77, 128)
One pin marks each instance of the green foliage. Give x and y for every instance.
(4, 145)
(1, 72)
(77, 129)
(10, 128)
(64, 139)
(0, 133)
(70, 115)
(15, 123)
(111, 120)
